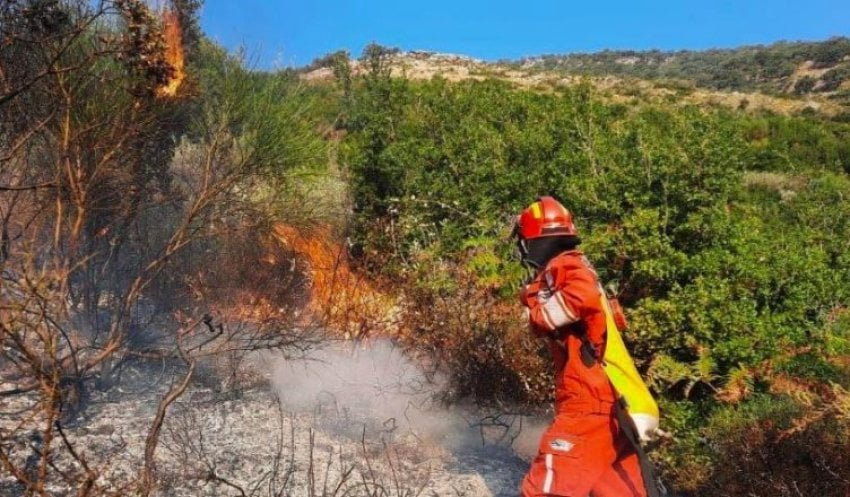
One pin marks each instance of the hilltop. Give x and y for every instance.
(782, 68)
(783, 77)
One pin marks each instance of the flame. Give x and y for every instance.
(173, 34)
(340, 297)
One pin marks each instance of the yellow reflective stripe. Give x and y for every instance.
(536, 210)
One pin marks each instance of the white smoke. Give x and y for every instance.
(374, 385)
(370, 384)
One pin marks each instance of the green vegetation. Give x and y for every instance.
(766, 68)
(727, 233)
(130, 218)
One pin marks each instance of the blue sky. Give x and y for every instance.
(286, 32)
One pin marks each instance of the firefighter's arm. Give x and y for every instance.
(583, 294)
(563, 296)
(548, 302)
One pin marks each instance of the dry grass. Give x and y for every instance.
(416, 66)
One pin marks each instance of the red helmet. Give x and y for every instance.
(546, 217)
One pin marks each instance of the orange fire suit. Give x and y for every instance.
(584, 452)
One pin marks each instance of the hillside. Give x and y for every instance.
(682, 77)
(223, 281)
(724, 226)
(779, 68)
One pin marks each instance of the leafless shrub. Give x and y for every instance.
(99, 226)
(479, 341)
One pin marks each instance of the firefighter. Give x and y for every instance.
(591, 448)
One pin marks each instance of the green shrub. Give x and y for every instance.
(727, 234)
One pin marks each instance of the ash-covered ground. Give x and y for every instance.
(352, 421)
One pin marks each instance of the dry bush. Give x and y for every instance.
(246, 272)
(337, 295)
(479, 341)
(763, 460)
(793, 441)
(103, 227)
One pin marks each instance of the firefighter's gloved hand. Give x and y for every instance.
(529, 292)
(527, 295)
(647, 427)
(657, 438)
(524, 295)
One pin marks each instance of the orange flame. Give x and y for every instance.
(338, 298)
(173, 35)
(345, 300)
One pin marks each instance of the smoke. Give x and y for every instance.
(374, 386)
(528, 437)
(371, 385)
